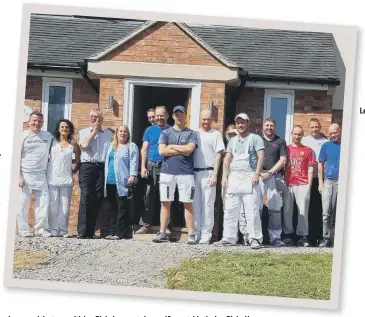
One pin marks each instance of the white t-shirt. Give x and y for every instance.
(34, 158)
(315, 144)
(35, 151)
(209, 144)
(60, 165)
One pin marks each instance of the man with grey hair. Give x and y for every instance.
(94, 142)
(33, 166)
(207, 158)
(328, 170)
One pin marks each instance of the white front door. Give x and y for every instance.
(56, 101)
(279, 105)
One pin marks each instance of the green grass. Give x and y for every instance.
(291, 275)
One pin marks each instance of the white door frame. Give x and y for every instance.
(290, 95)
(62, 82)
(131, 82)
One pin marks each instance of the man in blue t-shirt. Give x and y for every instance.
(150, 168)
(177, 146)
(328, 169)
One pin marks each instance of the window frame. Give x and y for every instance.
(62, 82)
(290, 95)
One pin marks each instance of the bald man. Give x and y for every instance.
(207, 158)
(328, 169)
(299, 178)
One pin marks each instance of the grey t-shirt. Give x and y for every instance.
(35, 151)
(315, 144)
(178, 164)
(256, 144)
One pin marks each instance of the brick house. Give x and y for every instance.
(125, 67)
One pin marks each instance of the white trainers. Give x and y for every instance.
(44, 234)
(27, 234)
(191, 239)
(255, 244)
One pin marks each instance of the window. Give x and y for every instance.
(56, 101)
(279, 105)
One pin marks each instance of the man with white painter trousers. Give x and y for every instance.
(33, 167)
(243, 162)
(207, 158)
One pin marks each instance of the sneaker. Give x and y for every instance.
(255, 244)
(143, 230)
(223, 243)
(277, 243)
(27, 234)
(288, 242)
(161, 237)
(303, 242)
(66, 235)
(325, 243)
(191, 239)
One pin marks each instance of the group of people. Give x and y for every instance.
(256, 169)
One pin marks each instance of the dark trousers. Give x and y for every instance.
(91, 182)
(152, 196)
(118, 212)
(315, 214)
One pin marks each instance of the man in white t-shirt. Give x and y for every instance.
(207, 158)
(33, 167)
(315, 141)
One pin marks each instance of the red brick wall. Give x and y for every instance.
(163, 43)
(313, 104)
(215, 92)
(308, 104)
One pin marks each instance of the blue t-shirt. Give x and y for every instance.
(111, 172)
(178, 164)
(152, 135)
(329, 156)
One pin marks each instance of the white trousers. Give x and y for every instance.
(59, 209)
(242, 218)
(239, 207)
(41, 210)
(203, 204)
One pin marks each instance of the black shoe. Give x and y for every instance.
(81, 237)
(303, 242)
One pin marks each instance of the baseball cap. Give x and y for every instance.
(179, 108)
(242, 116)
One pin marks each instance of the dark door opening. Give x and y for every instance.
(146, 97)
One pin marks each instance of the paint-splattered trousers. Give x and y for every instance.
(329, 202)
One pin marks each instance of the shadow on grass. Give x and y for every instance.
(290, 275)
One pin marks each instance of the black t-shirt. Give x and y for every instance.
(273, 150)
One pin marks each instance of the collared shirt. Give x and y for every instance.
(274, 149)
(96, 152)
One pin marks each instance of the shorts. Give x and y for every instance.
(185, 185)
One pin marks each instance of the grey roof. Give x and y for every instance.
(263, 53)
(276, 53)
(64, 41)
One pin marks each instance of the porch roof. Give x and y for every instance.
(63, 41)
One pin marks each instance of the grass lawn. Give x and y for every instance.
(289, 275)
(29, 259)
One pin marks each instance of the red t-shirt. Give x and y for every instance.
(299, 159)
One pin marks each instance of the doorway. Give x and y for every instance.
(146, 97)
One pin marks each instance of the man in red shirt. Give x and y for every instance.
(298, 177)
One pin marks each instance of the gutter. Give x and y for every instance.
(83, 67)
(329, 81)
